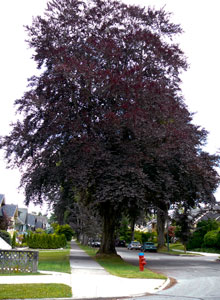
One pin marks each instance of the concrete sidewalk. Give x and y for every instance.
(89, 280)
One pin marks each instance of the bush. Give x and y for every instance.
(66, 230)
(143, 237)
(39, 230)
(6, 236)
(197, 239)
(13, 243)
(205, 226)
(211, 239)
(46, 241)
(137, 236)
(148, 237)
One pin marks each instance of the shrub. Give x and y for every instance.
(55, 226)
(66, 230)
(145, 236)
(197, 239)
(13, 243)
(211, 239)
(39, 230)
(148, 236)
(24, 240)
(6, 236)
(62, 241)
(137, 236)
(46, 241)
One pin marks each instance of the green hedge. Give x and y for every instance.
(196, 241)
(203, 229)
(46, 241)
(211, 239)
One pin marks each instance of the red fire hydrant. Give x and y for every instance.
(142, 261)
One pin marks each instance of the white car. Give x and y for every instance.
(134, 246)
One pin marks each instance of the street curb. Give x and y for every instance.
(163, 286)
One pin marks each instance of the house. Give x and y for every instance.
(21, 220)
(2, 200)
(9, 210)
(206, 213)
(31, 222)
(41, 222)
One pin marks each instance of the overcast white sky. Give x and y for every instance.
(200, 42)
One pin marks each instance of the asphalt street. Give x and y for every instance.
(198, 278)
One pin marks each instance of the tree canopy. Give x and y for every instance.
(105, 118)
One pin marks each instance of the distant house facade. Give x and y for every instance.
(21, 220)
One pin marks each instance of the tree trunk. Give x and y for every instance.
(161, 217)
(108, 234)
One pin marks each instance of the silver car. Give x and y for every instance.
(134, 246)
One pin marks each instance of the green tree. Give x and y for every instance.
(106, 115)
(13, 243)
(65, 230)
(203, 227)
(211, 239)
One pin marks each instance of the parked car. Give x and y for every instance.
(149, 246)
(94, 243)
(134, 246)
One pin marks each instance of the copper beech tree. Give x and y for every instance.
(106, 116)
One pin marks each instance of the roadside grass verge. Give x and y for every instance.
(31, 291)
(54, 260)
(118, 267)
(20, 274)
(174, 250)
(177, 246)
(207, 250)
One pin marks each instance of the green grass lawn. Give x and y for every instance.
(49, 260)
(118, 267)
(207, 250)
(177, 246)
(28, 291)
(54, 260)
(173, 247)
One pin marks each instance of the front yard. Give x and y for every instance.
(49, 260)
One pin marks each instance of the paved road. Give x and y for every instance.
(198, 278)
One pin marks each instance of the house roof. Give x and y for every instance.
(2, 199)
(9, 210)
(210, 215)
(42, 219)
(31, 220)
(39, 224)
(22, 214)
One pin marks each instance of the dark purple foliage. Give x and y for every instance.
(106, 115)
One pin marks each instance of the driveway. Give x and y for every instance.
(197, 277)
